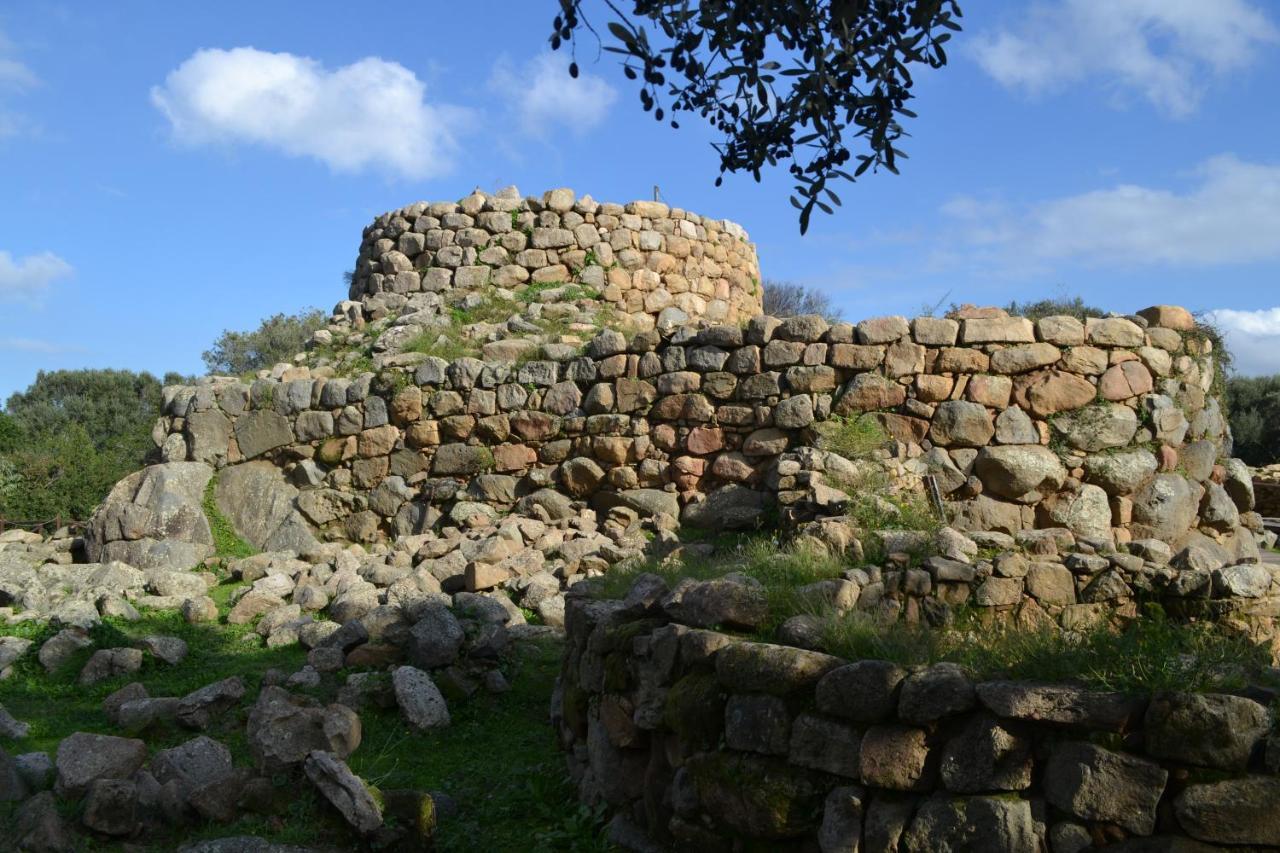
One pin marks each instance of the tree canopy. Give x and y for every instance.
(70, 436)
(821, 83)
(788, 299)
(1253, 407)
(277, 338)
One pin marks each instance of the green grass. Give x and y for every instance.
(781, 569)
(570, 292)
(1149, 653)
(227, 543)
(498, 760)
(855, 437)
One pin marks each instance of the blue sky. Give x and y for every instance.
(171, 170)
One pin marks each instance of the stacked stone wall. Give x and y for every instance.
(696, 739)
(1105, 428)
(653, 263)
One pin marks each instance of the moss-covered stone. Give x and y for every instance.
(694, 711)
(414, 812)
(757, 797)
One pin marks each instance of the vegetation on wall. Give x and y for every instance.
(1073, 306)
(278, 338)
(67, 439)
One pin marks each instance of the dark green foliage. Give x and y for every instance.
(70, 436)
(1253, 408)
(787, 299)
(109, 404)
(780, 80)
(1072, 305)
(278, 338)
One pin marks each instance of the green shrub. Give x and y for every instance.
(788, 299)
(278, 338)
(1073, 306)
(855, 437)
(1253, 408)
(67, 439)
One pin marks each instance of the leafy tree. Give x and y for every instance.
(1253, 409)
(798, 80)
(787, 299)
(278, 338)
(113, 406)
(1073, 305)
(70, 436)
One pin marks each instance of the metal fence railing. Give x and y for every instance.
(44, 527)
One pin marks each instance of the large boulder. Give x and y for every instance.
(731, 507)
(1121, 473)
(263, 507)
(344, 790)
(154, 518)
(1099, 785)
(1166, 507)
(994, 824)
(1095, 428)
(1232, 811)
(84, 758)
(1020, 471)
(1206, 730)
(283, 729)
(959, 423)
(1085, 512)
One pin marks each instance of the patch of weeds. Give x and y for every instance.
(227, 544)
(781, 570)
(568, 292)
(1149, 653)
(855, 437)
(441, 343)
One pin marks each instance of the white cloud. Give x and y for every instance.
(547, 101)
(1253, 337)
(15, 75)
(35, 346)
(1231, 215)
(1161, 50)
(371, 114)
(15, 78)
(26, 279)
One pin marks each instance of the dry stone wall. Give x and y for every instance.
(697, 739)
(1105, 428)
(653, 263)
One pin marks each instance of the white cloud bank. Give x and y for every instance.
(369, 115)
(547, 101)
(1161, 50)
(27, 279)
(1253, 337)
(1230, 215)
